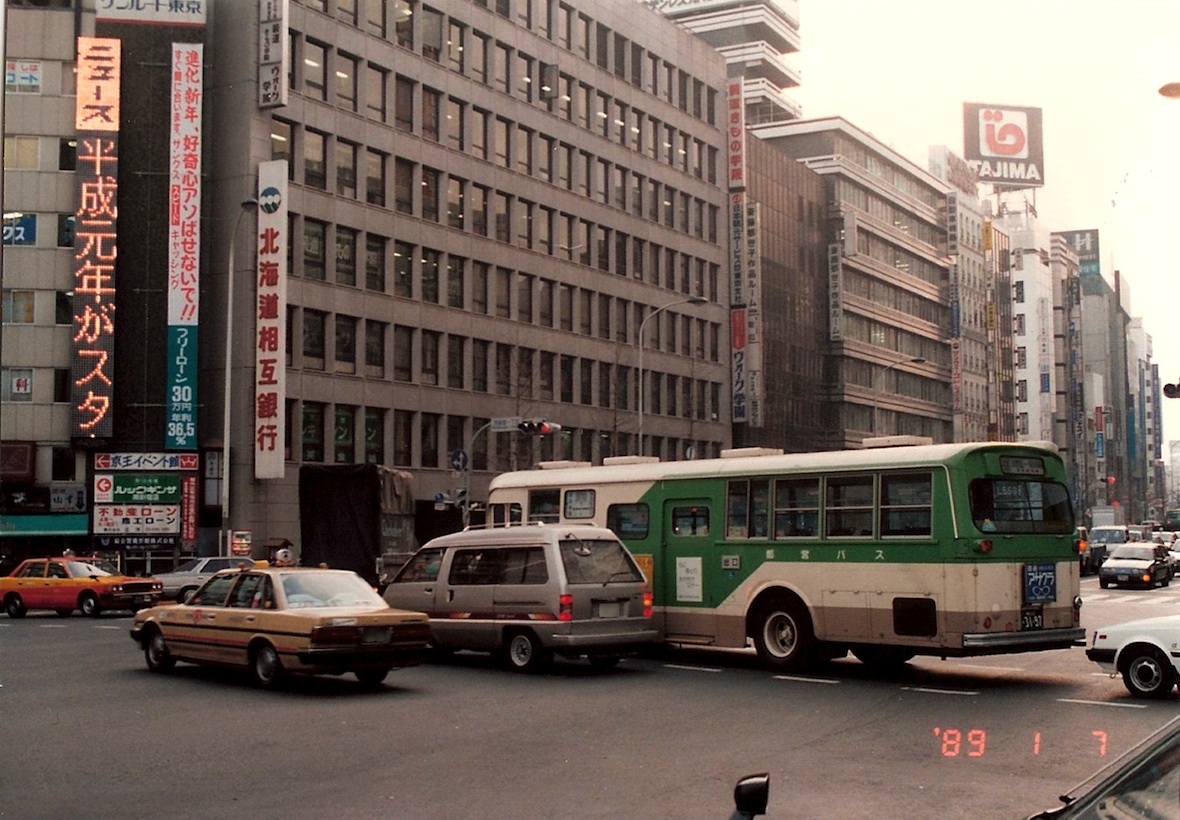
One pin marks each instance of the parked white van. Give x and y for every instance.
(530, 592)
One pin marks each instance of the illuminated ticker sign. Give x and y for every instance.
(95, 238)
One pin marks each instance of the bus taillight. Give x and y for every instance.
(984, 545)
(566, 613)
(647, 601)
(1079, 544)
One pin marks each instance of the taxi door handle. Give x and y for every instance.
(429, 590)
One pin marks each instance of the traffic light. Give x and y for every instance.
(1172, 391)
(538, 426)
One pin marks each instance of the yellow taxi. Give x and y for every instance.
(73, 582)
(279, 621)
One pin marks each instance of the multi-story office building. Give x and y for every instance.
(756, 38)
(485, 204)
(888, 364)
(1032, 324)
(972, 294)
(790, 202)
(1069, 415)
(997, 257)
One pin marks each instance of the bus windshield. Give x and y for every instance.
(1004, 505)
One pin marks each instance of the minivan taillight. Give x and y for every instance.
(566, 612)
(647, 604)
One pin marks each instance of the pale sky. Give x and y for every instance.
(902, 69)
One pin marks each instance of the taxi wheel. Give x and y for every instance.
(88, 603)
(525, 653)
(371, 677)
(14, 606)
(1147, 673)
(156, 654)
(265, 667)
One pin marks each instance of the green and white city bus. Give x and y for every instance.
(951, 550)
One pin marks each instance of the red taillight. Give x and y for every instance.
(647, 604)
(1079, 545)
(566, 613)
(984, 545)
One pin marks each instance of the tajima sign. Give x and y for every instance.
(1003, 144)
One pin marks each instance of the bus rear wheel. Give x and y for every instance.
(782, 634)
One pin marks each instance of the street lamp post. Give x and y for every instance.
(877, 392)
(247, 204)
(691, 300)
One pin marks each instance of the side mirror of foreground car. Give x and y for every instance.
(750, 796)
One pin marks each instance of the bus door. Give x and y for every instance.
(686, 567)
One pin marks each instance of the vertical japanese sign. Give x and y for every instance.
(835, 294)
(735, 132)
(96, 119)
(274, 53)
(270, 370)
(755, 391)
(184, 245)
(738, 364)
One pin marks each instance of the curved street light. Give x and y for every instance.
(877, 392)
(691, 300)
(247, 205)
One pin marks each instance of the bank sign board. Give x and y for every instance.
(1004, 144)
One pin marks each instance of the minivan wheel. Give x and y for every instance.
(525, 653)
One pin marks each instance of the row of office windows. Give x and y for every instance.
(430, 357)
(319, 160)
(347, 434)
(337, 253)
(452, 42)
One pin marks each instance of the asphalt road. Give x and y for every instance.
(87, 732)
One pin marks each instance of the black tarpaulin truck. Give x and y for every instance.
(356, 516)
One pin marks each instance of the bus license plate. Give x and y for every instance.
(1032, 619)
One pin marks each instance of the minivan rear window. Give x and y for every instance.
(589, 561)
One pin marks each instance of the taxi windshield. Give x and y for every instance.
(85, 568)
(328, 588)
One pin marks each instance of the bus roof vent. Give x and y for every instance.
(561, 465)
(747, 452)
(616, 460)
(895, 441)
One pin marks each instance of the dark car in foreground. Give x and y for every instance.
(1135, 565)
(1143, 783)
(279, 621)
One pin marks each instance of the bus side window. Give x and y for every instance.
(748, 509)
(796, 508)
(906, 504)
(689, 521)
(849, 506)
(545, 506)
(628, 521)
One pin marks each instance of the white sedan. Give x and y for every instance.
(1145, 652)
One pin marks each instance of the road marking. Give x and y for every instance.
(929, 691)
(52, 626)
(980, 668)
(108, 627)
(801, 679)
(1103, 703)
(690, 668)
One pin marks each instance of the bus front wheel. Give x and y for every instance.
(782, 634)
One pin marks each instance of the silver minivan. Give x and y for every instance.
(530, 592)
